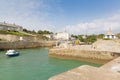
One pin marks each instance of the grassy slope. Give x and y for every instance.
(13, 33)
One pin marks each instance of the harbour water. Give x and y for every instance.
(34, 64)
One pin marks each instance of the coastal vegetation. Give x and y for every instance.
(86, 38)
(37, 32)
(92, 38)
(118, 35)
(12, 32)
(29, 31)
(44, 32)
(100, 36)
(26, 32)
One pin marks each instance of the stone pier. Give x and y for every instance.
(94, 56)
(109, 71)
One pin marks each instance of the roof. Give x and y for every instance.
(109, 32)
(62, 32)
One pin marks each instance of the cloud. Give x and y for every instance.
(96, 26)
(31, 14)
(49, 15)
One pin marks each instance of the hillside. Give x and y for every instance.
(15, 33)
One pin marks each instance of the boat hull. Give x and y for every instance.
(12, 55)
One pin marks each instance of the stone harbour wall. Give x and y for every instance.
(13, 38)
(25, 44)
(85, 55)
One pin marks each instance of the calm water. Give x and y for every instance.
(34, 64)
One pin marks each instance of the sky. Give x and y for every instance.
(73, 16)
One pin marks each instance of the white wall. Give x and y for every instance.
(63, 36)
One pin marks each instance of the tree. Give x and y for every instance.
(44, 32)
(118, 35)
(25, 30)
(29, 31)
(33, 31)
(100, 36)
(40, 32)
(80, 37)
(74, 36)
(91, 38)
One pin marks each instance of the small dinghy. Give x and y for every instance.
(12, 53)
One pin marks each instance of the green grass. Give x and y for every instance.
(107, 39)
(13, 33)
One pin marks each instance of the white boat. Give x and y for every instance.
(12, 53)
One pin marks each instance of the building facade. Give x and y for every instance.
(110, 35)
(50, 36)
(5, 26)
(62, 36)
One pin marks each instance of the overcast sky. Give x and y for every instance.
(74, 16)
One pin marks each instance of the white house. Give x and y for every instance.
(110, 35)
(62, 36)
(50, 36)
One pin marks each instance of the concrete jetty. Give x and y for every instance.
(113, 65)
(109, 71)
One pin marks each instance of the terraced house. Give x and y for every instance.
(6, 26)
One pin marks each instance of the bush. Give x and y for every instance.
(118, 35)
(91, 38)
(80, 37)
(100, 36)
(106, 39)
